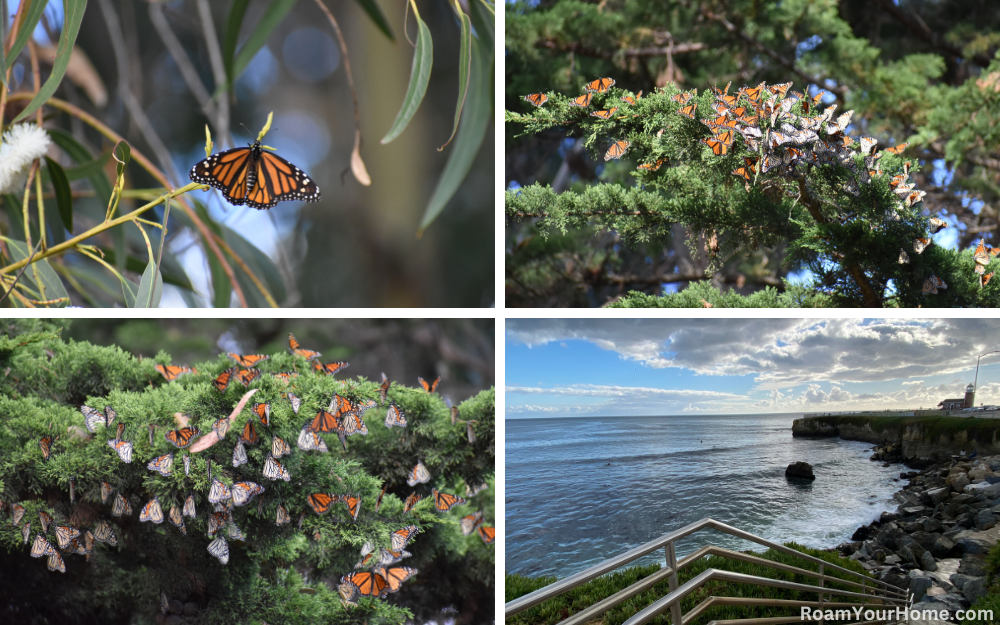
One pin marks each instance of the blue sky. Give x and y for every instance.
(583, 367)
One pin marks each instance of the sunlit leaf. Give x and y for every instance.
(150, 288)
(420, 75)
(464, 63)
(40, 274)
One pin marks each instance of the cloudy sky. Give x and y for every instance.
(584, 367)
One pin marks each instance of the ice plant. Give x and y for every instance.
(22, 144)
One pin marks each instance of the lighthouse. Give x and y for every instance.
(970, 396)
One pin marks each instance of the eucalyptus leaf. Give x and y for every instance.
(40, 275)
(150, 288)
(420, 75)
(375, 13)
(273, 16)
(27, 28)
(64, 197)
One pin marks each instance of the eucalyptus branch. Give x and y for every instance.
(650, 51)
(218, 71)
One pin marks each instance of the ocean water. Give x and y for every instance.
(579, 491)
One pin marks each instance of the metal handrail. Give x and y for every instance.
(881, 591)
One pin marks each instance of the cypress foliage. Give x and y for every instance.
(287, 574)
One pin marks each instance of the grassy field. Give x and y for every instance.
(565, 605)
(932, 426)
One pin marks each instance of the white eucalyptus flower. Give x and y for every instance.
(22, 144)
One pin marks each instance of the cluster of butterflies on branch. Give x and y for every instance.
(785, 141)
(342, 416)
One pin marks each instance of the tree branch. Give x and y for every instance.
(921, 30)
(576, 48)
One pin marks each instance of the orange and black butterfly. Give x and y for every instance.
(630, 99)
(249, 435)
(753, 93)
(600, 85)
(182, 437)
(221, 383)
(617, 150)
(401, 537)
(46, 444)
(605, 114)
(248, 361)
(725, 136)
(432, 387)
(653, 166)
(329, 368)
(367, 583)
(719, 148)
(246, 376)
(263, 412)
(285, 376)
(537, 99)
(582, 101)
(384, 388)
(324, 422)
(353, 505)
(170, 372)
(688, 111)
(985, 279)
(749, 168)
(444, 501)
(255, 177)
(896, 150)
(378, 502)
(321, 502)
(410, 502)
(682, 98)
(297, 349)
(395, 576)
(780, 90)
(488, 533)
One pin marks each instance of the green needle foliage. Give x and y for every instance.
(287, 574)
(671, 210)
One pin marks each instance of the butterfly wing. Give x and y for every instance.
(263, 412)
(92, 418)
(487, 533)
(249, 435)
(243, 492)
(249, 360)
(121, 506)
(353, 505)
(221, 426)
(396, 576)
(218, 492)
(239, 454)
(278, 180)
(221, 383)
(176, 519)
(282, 517)
(309, 440)
(411, 501)
(402, 536)
(418, 475)
(471, 522)
(189, 507)
(124, 449)
(295, 401)
(616, 151)
(152, 512)
(274, 470)
(220, 549)
(226, 171)
(394, 417)
(41, 547)
(162, 464)
(324, 422)
(321, 502)
(330, 368)
(297, 350)
(378, 502)
(104, 533)
(279, 447)
(444, 501)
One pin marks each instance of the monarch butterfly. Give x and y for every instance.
(124, 449)
(56, 563)
(721, 120)
(582, 101)
(352, 424)
(367, 584)
(471, 522)
(263, 412)
(248, 361)
(329, 368)
(897, 149)
(152, 511)
(780, 90)
(470, 432)
(309, 440)
(984, 280)
(285, 376)
(630, 99)
(402, 536)
(187, 464)
(537, 99)
(688, 111)
(239, 454)
(472, 491)
(104, 533)
(868, 144)
(396, 575)
(932, 284)
(617, 150)
(282, 517)
(220, 549)
(487, 533)
(682, 98)
(41, 547)
(410, 502)
(937, 225)
(16, 513)
(189, 507)
(221, 427)
(904, 258)
(604, 114)
(719, 148)
(255, 177)
(25, 532)
(341, 405)
(770, 162)
(64, 534)
(321, 502)
(295, 401)
(235, 532)
(297, 350)
(274, 470)
(95, 417)
(243, 492)
(387, 556)
(600, 85)
(106, 490)
(384, 388)
(650, 167)
(162, 464)
(353, 504)
(182, 437)
(753, 93)
(914, 197)
(920, 244)
(366, 559)
(444, 501)
(171, 372)
(221, 383)
(218, 492)
(46, 445)
(394, 417)
(246, 376)
(378, 502)
(432, 386)
(177, 519)
(981, 256)
(249, 435)
(749, 168)
(418, 475)
(216, 521)
(324, 422)
(121, 506)
(279, 447)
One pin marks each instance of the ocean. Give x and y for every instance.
(581, 490)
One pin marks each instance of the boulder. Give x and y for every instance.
(985, 520)
(888, 517)
(958, 481)
(190, 609)
(801, 470)
(927, 562)
(973, 542)
(176, 607)
(937, 495)
(942, 546)
(974, 589)
(992, 491)
(919, 585)
(980, 472)
(932, 525)
(975, 489)
(973, 564)
(892, 560)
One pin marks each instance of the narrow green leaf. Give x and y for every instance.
(27, 29)
(233, 24)
(129, 291)
(150, 288)
(15, 217)
(79, 172)
(420, 75)
(47, 283)
(275, 12)
(483, 17)
(171, 270)
(80, 154)
(464, 64)
(471, 132)
(222, 288)
(74, 10)
(122, 153)
(375, 13)
(64, 197)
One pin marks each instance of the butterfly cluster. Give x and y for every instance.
(229, 492)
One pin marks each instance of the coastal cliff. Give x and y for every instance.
(920, 439)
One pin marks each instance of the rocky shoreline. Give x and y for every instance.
(935, 544)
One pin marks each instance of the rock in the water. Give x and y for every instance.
(800, 469)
